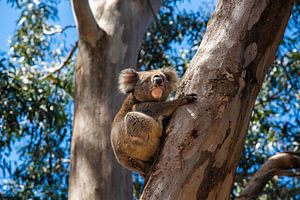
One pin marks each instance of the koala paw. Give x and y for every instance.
(189, 98)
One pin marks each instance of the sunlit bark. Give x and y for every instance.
(205, 140)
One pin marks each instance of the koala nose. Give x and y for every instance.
(157, 79)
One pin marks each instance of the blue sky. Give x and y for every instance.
(10, 15)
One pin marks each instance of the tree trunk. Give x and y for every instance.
(109, 35)
(205, 140)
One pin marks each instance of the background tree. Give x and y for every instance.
(109, 36)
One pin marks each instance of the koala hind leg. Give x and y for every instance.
(142, 126)
(143, 140)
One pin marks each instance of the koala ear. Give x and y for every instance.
(172, 77)
(127, 80)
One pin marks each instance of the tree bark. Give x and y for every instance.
(281, 164)
(109, 35)
(205, 140)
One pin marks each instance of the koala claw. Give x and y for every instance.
(190, 98)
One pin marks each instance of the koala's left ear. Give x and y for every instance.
(172, 77)
(127, 80)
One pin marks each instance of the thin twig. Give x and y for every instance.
(61, 30)
(289, 173)
(152, 11)
(58, 68)
(277, 93)
(139, 65)
(155, 17)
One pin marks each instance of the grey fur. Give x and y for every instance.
(137, 128)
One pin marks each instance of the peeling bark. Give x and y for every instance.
(281, 164)
(205, 140)
(109, 35)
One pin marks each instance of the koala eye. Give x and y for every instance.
(157, 79)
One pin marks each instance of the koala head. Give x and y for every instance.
(154, 85)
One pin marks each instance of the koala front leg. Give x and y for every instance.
(166, 109)
(141, 127)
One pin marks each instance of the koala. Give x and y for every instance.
(137, 128)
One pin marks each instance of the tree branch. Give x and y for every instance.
(281, 164)
(60, 30)
(87, 26)
(58, 68)
(152, 11)
(289, 173)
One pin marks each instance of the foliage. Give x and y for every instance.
(35, 114)
(275, 124)
(173, 37)
(274, 127)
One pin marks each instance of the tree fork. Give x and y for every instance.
(281, 164)
(205, 140)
